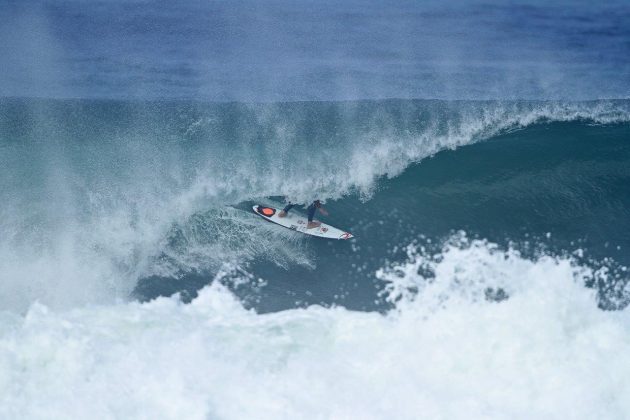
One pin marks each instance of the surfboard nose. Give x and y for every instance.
(346, 235)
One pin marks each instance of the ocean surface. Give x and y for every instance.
(478, 151)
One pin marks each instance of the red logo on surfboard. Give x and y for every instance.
(266, 211)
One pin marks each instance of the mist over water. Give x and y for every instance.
(479, 153)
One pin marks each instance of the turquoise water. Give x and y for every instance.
(160, 193)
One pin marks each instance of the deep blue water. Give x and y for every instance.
(315, 50)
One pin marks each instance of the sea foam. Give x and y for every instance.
(447, 349)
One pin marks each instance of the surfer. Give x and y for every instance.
(310, 210)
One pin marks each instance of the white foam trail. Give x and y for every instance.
(546, 352)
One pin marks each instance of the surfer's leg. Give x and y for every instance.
(311, 213)
(285, 210)
(310, 210)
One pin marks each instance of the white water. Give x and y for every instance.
(547, 352)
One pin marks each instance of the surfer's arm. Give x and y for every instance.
(323, 211)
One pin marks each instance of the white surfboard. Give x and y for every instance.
(298, 223)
